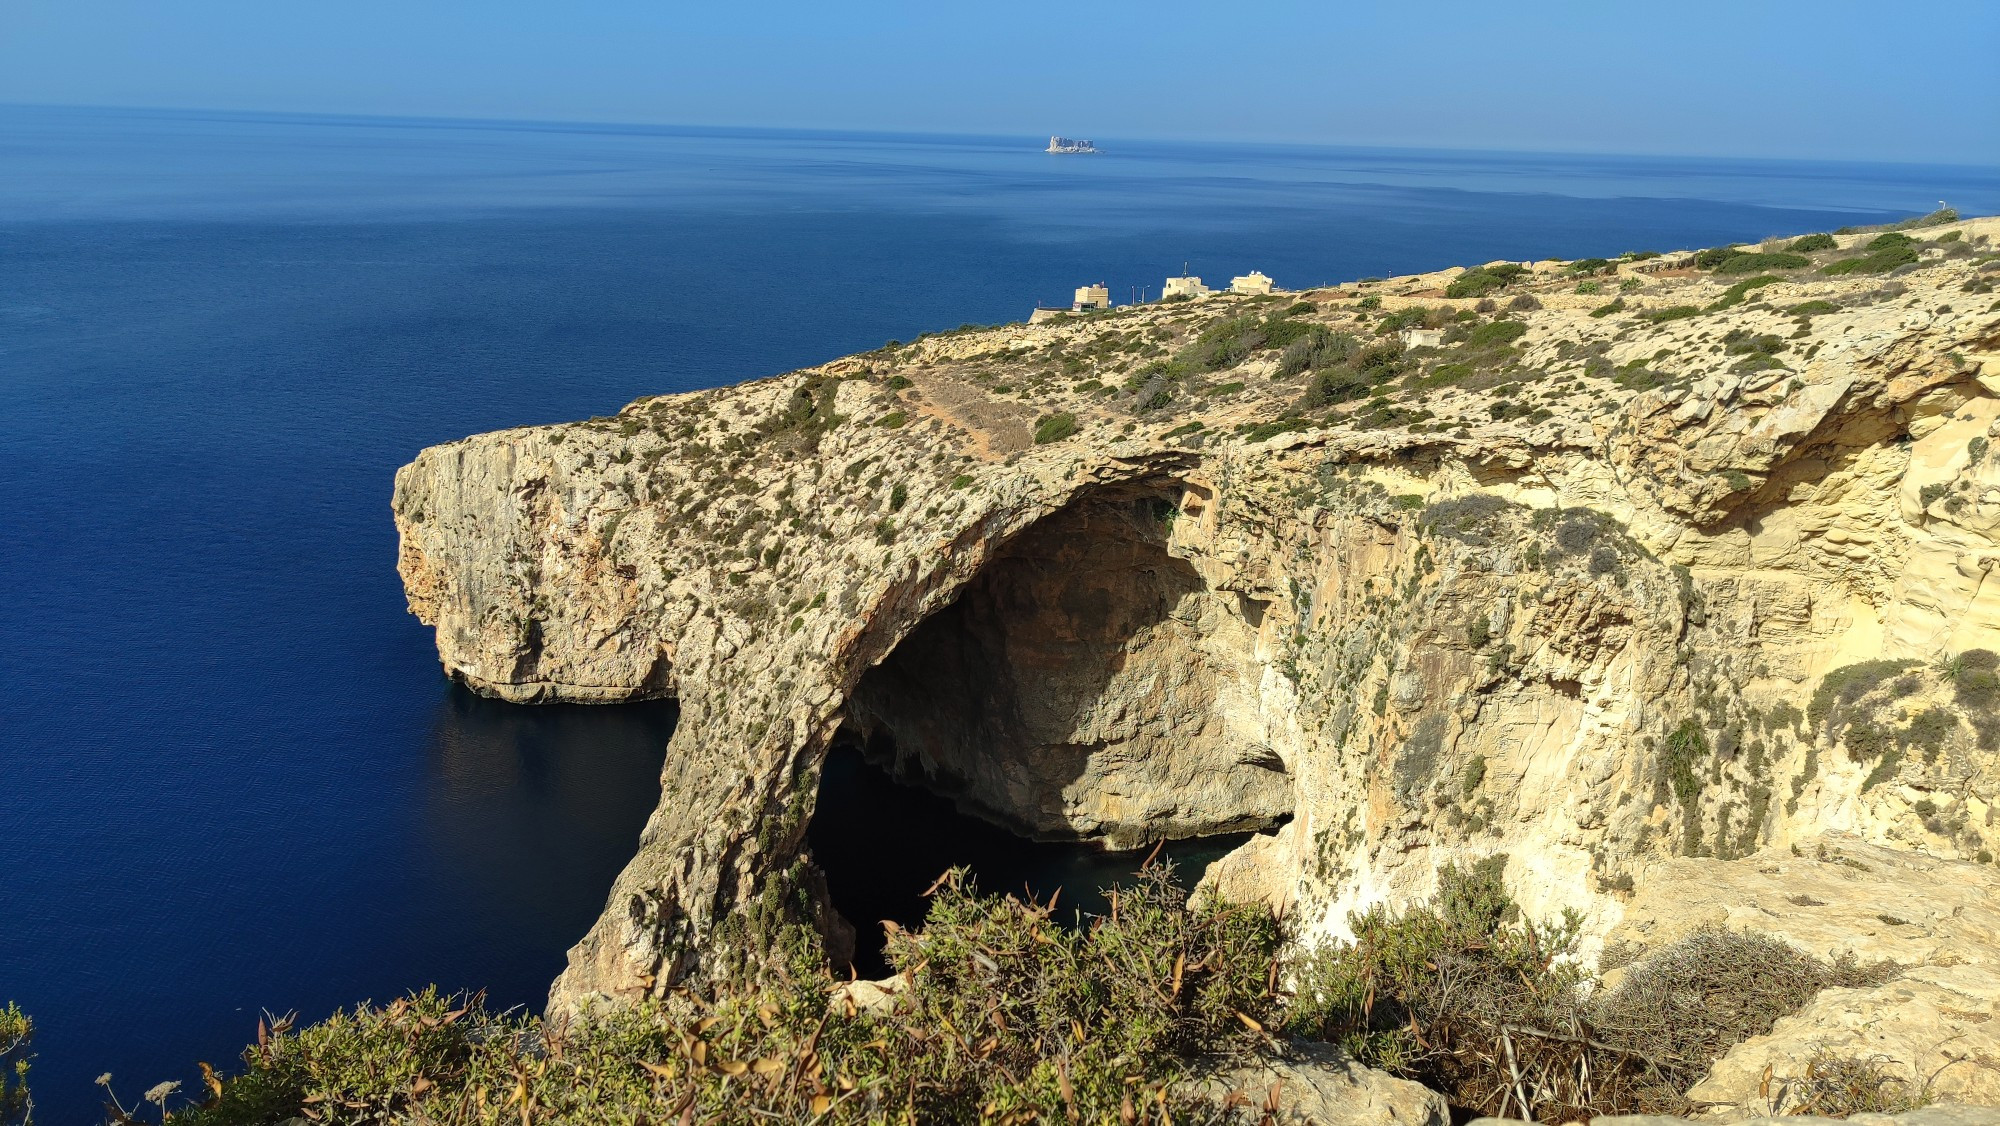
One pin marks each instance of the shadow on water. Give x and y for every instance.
(882, 844)
(530, 814)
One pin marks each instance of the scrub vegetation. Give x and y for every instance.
(1001, 1012)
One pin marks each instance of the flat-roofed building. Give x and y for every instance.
(1253, 282)
(1189, 286)
(1090, 297)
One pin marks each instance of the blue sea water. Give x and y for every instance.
(231, 777)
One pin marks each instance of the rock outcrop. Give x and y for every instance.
(1933, 1026)
(1700, 576)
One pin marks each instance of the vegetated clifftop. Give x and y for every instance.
(1618, 566)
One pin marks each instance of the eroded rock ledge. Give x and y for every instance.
(1564, 591)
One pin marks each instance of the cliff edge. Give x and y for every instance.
(1593, 565)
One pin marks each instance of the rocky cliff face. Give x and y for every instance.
(1697, 576)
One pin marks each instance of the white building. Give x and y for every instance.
(1090, 297)
(1183, 287)
(1253, 282)
(1422, 337)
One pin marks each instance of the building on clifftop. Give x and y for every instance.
(1253, 282)
(1188, 286)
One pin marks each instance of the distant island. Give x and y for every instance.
(1065, 144)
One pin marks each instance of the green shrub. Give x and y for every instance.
(1753, 263)
(1806, 244)
(1833, 701)
(1589, 265)
(1671, 313)
(1472, 519)
(1495, 334)
(896, 382)
(16, 1033)
(1476, 283)
(1473, 777)
(1416, 316)
(1054, 427)
(1812, 308)
(1716, 255)
(1874, 262)
(893, 419)
(1686, 746)
(1935, 219)
(1735, 294)
(1317, 349)
(1264, 431)
(1617, 306)
(1009, 1016)
(807, 415)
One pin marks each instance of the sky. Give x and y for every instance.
(1911, 81)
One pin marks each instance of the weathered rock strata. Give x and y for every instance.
(1551, 614)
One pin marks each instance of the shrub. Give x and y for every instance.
(1812, 308)
(1735, 294)
(1476, 283)
(807, 415)
(893, 419)
(1874, 262)
(1054, 427)
(1428, 994)
(1753, 263)
(896, 382)
(1468, 998)
(1689, 1003)
(16, 1031)
(1317, 349)
(1589, 265)
(1671, 313)
(1524, 303)
(1716, 255)
(1935, 219)
(1473, 519)
(1838, 691)
(1837, 1086)
(1617, 306)
(1496, 334)
(1806, 244)
(1686, 746)
(1008, 1016)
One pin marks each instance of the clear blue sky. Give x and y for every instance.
(1914, 80)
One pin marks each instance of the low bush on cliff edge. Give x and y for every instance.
(1006, 1016)
(1494, 1012)
(1002, 1014)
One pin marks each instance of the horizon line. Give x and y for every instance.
(560, 123)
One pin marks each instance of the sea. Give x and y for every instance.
(232, 779)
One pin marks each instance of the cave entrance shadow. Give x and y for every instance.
(1060, 716)
(881, 844)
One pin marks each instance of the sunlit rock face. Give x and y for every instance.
(1574, 598)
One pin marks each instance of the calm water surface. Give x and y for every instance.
(231, 777)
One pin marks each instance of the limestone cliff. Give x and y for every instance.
(1567, 586)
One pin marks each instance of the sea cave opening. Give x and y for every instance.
(1085, 697)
